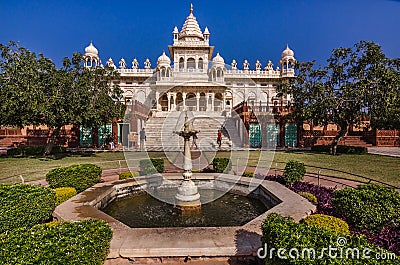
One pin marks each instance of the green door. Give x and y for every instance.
(103, 132)
(290, 135)
(255, 135)
(85, 136)
(272, 135)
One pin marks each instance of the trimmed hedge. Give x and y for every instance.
(368, 207)
(222, 165)
(310, 197)
(64, 194)
(36, 150)
(294, 171)
(128, 175)
(330, 222)
(85, 242)
(79, 177)
(152, 166)
(25, 205)
(341, 149)
(248, 174)
(282, 233)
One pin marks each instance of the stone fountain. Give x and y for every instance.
(188, 197)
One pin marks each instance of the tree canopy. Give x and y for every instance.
(357, 84)
(34, 91)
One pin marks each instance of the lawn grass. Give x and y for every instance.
(383, 168)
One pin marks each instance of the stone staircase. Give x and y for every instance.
(354, 141)
(160, 130)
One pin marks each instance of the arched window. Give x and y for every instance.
(191, 63)
(200, 64)
(181, 63)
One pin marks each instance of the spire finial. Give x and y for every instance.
(191, 8)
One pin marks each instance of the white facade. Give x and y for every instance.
(191, 78)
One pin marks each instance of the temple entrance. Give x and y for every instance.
(191, 102)
(163, 101)
(218, 102)
(179, 101)
(203, 102)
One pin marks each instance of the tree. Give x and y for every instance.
(35, 92)
(357, 82)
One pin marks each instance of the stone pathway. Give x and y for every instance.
(386, 151)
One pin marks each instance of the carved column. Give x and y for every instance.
(212, 101)
(158, 105)
(223, 100)
(184, 100)
(169, 101)
(174, 97)
(198, 101)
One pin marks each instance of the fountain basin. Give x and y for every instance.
(226, 241)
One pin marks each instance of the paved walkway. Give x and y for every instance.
(386, 151)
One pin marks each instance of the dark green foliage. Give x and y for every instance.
(152, 166)
(25, 206)
(342, 149)
(282, 232)
(128, 175)
(222, 165)
(85, 242)
(248, 174)
(37, 150)
(79, 177)
(294, 171)
(368, 207)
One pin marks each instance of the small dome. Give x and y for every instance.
(218, 59)
(287, 52)
(206, 32)
(91, 49)
(163, 59)
(176, 31)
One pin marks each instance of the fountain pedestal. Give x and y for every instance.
(188, 197)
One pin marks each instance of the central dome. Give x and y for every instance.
(91, 49)
(191, 28)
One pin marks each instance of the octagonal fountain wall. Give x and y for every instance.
(223, 241)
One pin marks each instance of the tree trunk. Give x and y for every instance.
(52, 139)
(344, 128)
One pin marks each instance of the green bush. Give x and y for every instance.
(294, 171)
(36, 150)
(330, 222)
(25, 205)
(341, 149)
(85, 242)
(222, 165)
(64, 194)
(152, 166)
(282, 233)
(128, 175)
(310, 197)
(79, 177)
(248, 174)
(368, 207)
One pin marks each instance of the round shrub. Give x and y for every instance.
(128, 175)
(248, 174)
(85, 242)
(283, 233)
(79, 177)
(222, 165)
(152, 166)
(63, 194)
(294, 171)
(330, 222)
(310, 197)
(368, 207)
(25, 205)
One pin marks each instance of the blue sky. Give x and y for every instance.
(239, 29)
